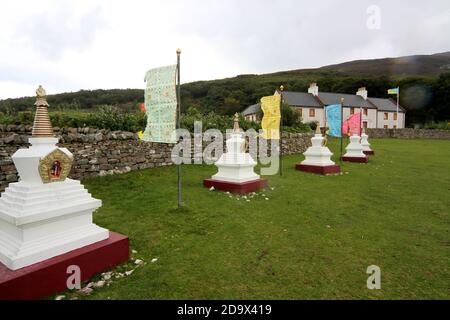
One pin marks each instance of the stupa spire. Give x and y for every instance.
(236, 128)
(42, 127)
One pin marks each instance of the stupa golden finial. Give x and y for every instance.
(318, 131)
(236, 128)
(42, 127)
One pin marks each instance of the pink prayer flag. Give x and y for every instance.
(353, 123)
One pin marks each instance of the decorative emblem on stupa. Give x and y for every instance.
(55, 166)
(42, 127)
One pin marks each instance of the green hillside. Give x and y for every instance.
(424, 80)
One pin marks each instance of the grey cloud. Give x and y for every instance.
(50, 33)
(263, 36)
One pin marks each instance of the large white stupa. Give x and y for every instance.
(355, 150)
(318, 157)
(236, 167)
(45, 214)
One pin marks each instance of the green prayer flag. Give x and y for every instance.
(161, 105)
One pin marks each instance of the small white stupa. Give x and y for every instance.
(355, 150)
(318, 157)
(45, 214)
(236, 167)
(365, 143)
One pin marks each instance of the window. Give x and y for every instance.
(312, 113)
(365, 124)
(352, 110)
(395, 127)
(386, 116)
(300, 112)
(395, 116)
(386, 126)
(366, 111)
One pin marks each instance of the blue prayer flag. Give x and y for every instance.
(334, 120)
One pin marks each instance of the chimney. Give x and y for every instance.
(362, 92)
(313, 89)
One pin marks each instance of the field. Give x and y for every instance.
(310, 237)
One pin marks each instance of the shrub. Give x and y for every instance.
(444, 125)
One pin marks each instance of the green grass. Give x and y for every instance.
(313, 239)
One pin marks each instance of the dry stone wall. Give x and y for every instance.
(103, 152)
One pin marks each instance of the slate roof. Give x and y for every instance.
(252, 110)
(301, 99)
(350, 100)
(386, 105)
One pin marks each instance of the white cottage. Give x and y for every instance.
(376, 112)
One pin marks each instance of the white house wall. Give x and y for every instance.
(390, 123)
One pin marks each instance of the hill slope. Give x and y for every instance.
(417, 65)
(424, 79)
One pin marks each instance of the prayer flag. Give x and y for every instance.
(353, 123)
(334, 120)
(272, 116)
(161, 105)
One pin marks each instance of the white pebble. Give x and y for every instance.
(86, 290)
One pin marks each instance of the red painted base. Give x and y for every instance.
(241, 188)
(356, 159)
(369, 153)
(50, 276)
(319, 170)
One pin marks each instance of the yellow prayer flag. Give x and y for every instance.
(272, 116)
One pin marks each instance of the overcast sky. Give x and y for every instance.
(73, 45)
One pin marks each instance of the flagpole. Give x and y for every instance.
(398, 102)
(281, 131)
(342, 124)
(179, 121)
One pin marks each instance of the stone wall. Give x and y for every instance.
(409, 133)
(102, 152)
(96, 152)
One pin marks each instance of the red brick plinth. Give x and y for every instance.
(356, 159)
(369, 153)
(50, 276)
(319, 170)
(241, 188)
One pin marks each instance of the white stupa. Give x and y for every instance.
(365, 143)
(236, 167)
(318, 157)
(355, 150)
(45, 214)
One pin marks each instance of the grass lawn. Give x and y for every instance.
(313, 239)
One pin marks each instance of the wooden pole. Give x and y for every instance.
(179, 121)
(281, 131)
